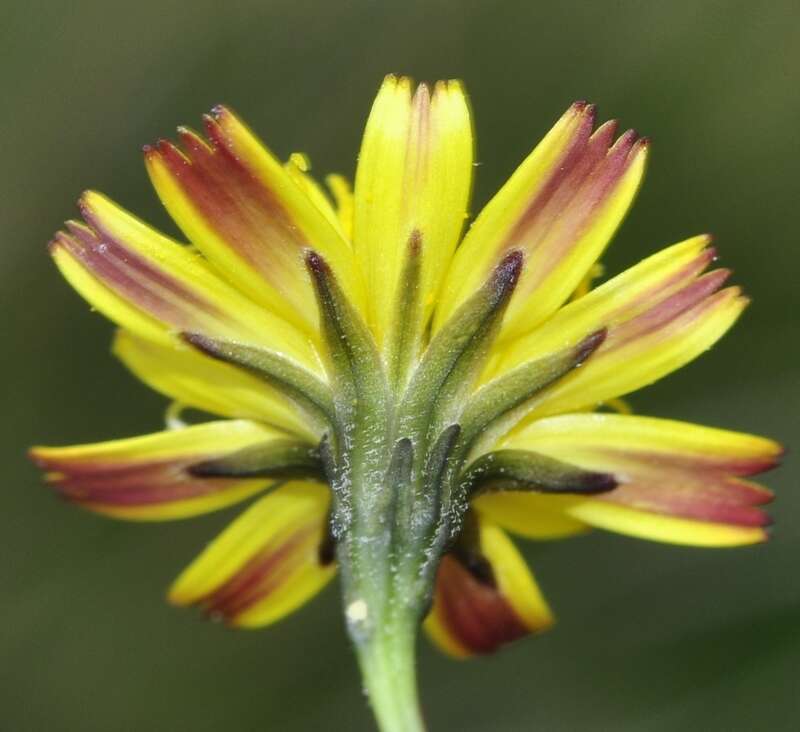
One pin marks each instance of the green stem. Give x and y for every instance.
(389, 674)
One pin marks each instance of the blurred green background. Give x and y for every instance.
(651, 637)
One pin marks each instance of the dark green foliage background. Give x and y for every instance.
(651, 637)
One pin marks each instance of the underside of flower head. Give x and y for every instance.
(400, 392)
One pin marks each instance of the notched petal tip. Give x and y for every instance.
(219, 110)
(605, 133)
(422, 96)
(627, 138)
(37, 454)
(55, 243)
(585, 109)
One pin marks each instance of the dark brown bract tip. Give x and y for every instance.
(316, 264)
(200, 342)
(508, 271)
(589, 345)
(326, 552)
(598, 483)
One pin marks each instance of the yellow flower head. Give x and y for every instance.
(400, 389)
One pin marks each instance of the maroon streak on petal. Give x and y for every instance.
(134, 277)
(704, 498)
(697, 296)
(473, 610)
(697, 463)
(582, 181)
(568, 169)
(262, 575)
(233, 200)
(130, 484)
(685, 275)
(693, 486)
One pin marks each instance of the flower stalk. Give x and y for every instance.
(388, 669)
(393, 457)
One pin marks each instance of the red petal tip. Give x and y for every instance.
(627, 139)
(83, 205)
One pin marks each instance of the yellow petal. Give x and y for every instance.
(147, 478)
(669, 529)
(476, 609)
(298, 167)
(236, 202)
(661, 466)
(560, 207)
(155, 287)
(586, 284)
(343, 195)
(647, 358)
(581, 435)
(194, 380)
(614, 302)
(658, 317)
(414, 175)
(267, 563)
(532, 515)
